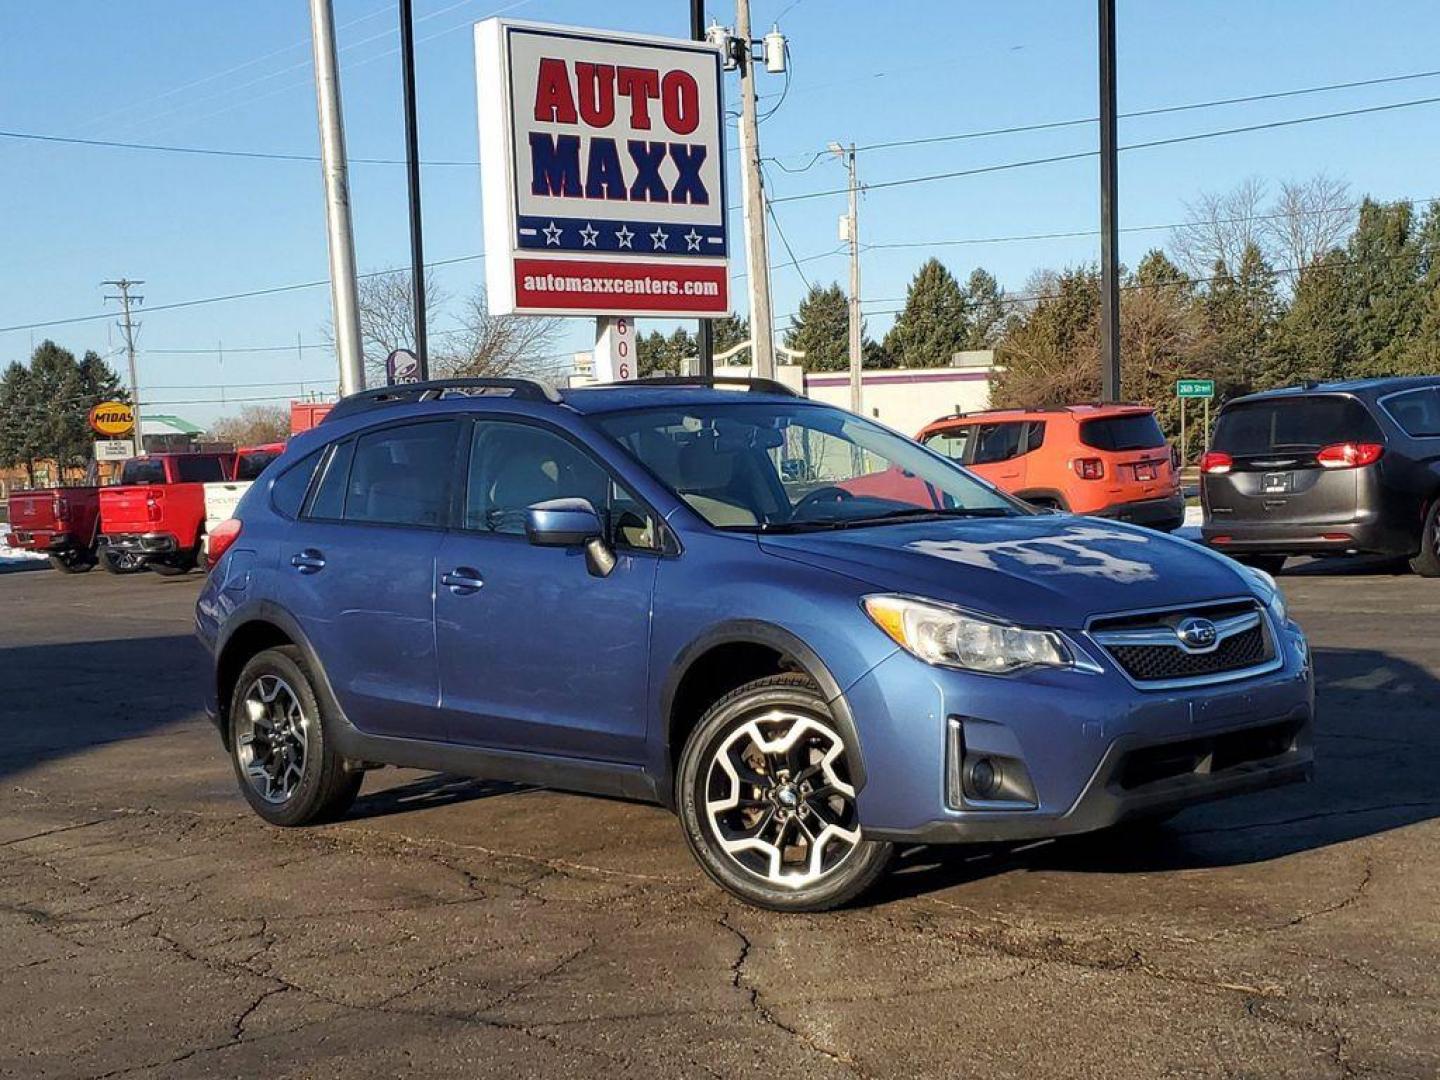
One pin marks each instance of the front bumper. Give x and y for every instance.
(1096, 749)
(1166, 513)
(143, 544)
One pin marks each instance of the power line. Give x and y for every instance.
(1083, 154)
(210, 151)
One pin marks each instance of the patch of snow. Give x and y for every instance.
(16, 556)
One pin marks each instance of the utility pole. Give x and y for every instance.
(705, 334)
(850, 232)
(1109, 224)
(340, 236)
(412, 175)
(127, 324)
(757, 248)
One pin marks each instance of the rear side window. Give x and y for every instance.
(952, 443)
(140, 471)
(402, 475)
(1416, 411)
(198, 469)
(1293, 423)
(287, 494)
(250, 466)
(1133, 431)
(997, 442)
(328, 501)
(1034, 437)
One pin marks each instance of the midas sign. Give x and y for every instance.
(603, 171)
(112, 418)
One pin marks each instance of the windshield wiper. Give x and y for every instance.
(907, 514)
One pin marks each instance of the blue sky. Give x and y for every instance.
(238, 76)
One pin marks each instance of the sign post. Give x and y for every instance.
(1185, 389)
(602, 162)
(615, 359)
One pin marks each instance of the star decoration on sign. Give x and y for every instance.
(660, 238)
(692, 240)
(552, 234)
(588, 235)
(623, 236)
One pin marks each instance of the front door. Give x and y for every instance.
(537, 653)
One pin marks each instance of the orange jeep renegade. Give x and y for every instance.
(1108, 460)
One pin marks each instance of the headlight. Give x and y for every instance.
(1267, 590)
(947, 636)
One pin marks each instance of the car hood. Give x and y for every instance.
(1037, 570)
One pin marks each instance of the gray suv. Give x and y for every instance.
(1339, 468)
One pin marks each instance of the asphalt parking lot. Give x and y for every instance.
(152, 926)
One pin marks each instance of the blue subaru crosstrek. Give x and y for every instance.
(811, 637)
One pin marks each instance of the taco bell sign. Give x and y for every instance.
(602, 163)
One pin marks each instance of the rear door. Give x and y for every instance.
(1274, 471)
(998, 453)
(359, 567)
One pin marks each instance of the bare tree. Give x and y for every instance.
(255, 425)
(1309, 218)
(387, 317)
(486, 344)
(1218, 227)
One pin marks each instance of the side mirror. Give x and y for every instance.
(570, 523)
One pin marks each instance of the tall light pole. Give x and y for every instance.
(1109, 224)
(850, 231)
(705, 334)
(127, 324)
(340, 236)
(757, 247)
(412, 176)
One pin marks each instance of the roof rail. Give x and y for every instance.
(521, 388)
(762, 386)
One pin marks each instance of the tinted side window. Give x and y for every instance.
(1034, 437)
(401, 475)
(199, 469)
(250, 466)
(1137, 431)
(287, 494)
(997, 442)
(328, 500)
(513, 466)
(1416, 411)
(953, 443)
(1293, 423)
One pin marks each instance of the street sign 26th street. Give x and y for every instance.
(1195, 388)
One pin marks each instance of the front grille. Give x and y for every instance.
(1150, 663)
(1149, 649)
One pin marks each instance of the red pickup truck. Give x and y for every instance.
(155, 518)
(61, 522)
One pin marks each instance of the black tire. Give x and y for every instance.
(1271, 564)
(177, 565)
(114, 563)
(855, 869)
(73, 562)
(1426, 562)
(324, 789)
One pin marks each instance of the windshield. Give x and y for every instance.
(782, 467)
(143, 471)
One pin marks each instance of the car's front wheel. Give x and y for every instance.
(766, 799)
(288, 768)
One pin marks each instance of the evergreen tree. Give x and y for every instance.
(987, 309)
(661, 355)
(1313, 338)
(729, 332)
(1242, 308)
(1422, 353)
(1051, 353)
(821, 329)
(935, 323)
(19, 411)
(1385, 287)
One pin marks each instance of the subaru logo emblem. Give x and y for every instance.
(1196, 634)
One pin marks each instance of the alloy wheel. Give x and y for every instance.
(272, 738)
(778, 800)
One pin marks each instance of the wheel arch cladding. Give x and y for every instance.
(728, 657)
(244, 642)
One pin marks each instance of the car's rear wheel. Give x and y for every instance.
(287, 766)
(767, 803)
(120, 562)
(74, 562)
(1426, 562)
(178, 564)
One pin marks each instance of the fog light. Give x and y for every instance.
(984, 778)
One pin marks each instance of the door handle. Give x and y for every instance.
(308, 561)
(463, 580)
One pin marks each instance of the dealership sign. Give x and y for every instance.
(112, 418)
(602, 162)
